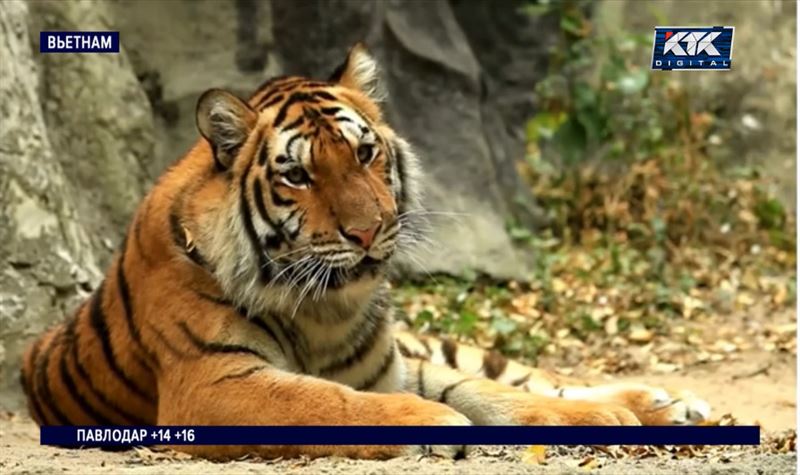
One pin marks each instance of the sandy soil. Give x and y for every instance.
(757, 387)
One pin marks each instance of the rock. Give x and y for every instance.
(102, 122)
(179, 49)
(72, 145)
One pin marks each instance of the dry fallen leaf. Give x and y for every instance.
(639, 334)
(589, 463)
(535, 454)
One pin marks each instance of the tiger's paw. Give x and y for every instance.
(653, 406)
(660, 407)
(454, 452)
(412, 410)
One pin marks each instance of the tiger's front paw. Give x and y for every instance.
(411, 410)
(452, 418)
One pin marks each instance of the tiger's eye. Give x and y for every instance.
(296, 176)
(364, 153)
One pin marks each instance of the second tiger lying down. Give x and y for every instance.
(250, 290)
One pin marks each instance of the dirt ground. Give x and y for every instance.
(757, 387)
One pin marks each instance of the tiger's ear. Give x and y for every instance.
(360, 71)
(225, 121)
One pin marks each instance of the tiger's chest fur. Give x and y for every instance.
(344, 338)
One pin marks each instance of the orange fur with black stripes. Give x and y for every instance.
(250, 290)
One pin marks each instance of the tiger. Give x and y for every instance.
(252, 288)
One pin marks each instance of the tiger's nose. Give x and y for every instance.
(362, 237)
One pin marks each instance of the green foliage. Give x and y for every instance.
(600, 100)
(771, 214)
(631, 154)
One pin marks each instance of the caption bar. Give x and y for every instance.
(79, 42)
(99, 436)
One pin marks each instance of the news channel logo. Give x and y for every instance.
(691, 48)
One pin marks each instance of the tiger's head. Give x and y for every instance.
(321, 189)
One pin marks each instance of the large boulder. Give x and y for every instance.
(76, 134)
